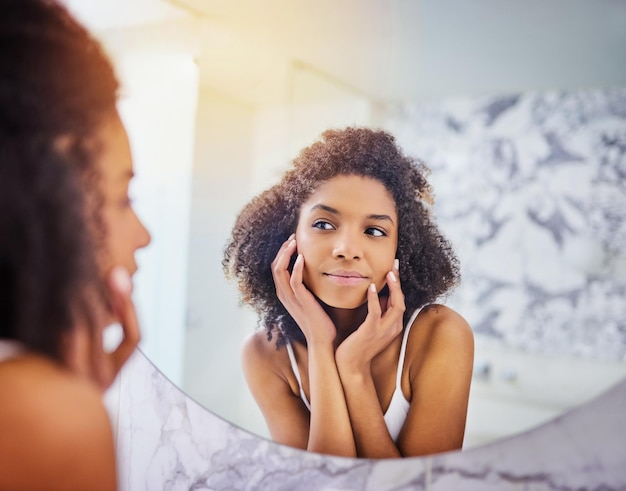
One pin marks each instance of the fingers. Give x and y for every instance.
(76, 350)
(280, 266)
(396, 297)
(300, 291)
(297, 272)
(296, 298)
(373, 302)
(288, 285)
(285, 252)
(394, 274)
(120, 289)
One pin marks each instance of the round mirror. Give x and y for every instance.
(518, 111)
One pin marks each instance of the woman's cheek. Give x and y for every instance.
(306, 275)
(380, 284)
(301, 239)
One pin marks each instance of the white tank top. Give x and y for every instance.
(398, 409)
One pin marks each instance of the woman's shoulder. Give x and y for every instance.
(257, 344)
(257, 349)
(35, 378)
(440, 331)
(443, 321)
(266, 367)
(55, 420)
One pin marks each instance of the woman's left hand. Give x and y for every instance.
(85, 353)
(109, 364)
(382, 324)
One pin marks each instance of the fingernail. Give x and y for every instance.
(121, 279)
(396, 264)
(392, 275)
(372, 287)
(292, 236)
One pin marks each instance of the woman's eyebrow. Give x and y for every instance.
(334, 211)
(329, 209)
(380, 217)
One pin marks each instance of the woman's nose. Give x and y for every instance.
(143, 236)
(348, 246)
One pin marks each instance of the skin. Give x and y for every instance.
(340, 237)
(125, 232)
(55, 431)
(348, 368)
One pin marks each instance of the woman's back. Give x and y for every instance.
(55, 431)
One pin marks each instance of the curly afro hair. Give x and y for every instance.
(428, 265)
(56, 89)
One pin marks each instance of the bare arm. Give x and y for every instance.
(441, 355)
(288, 420)
(286, 415)
(329, 429)
(354, 358)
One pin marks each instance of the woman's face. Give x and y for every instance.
(348, 235)
(124, 233)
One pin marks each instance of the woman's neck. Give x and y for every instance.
(346, 320)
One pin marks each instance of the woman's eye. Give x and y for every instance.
(375, 232)
(323, 225)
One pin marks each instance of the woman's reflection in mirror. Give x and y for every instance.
(343, 263)
(68, 235)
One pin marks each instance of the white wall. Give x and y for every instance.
(158, 108)
(216, 324)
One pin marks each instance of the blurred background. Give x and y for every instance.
(519, 108)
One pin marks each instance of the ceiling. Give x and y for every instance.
(387, 50)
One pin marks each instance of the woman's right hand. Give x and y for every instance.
(381, 326)
(315, 324)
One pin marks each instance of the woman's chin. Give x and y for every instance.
(343, 303)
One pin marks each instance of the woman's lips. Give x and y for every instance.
(346, 278)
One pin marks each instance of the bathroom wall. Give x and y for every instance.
(531, 190)
(216, 323)
(158, 104)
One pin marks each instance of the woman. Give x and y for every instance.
(68, 235)
(342, 261)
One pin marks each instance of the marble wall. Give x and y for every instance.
(166, 441)
(531, 189)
